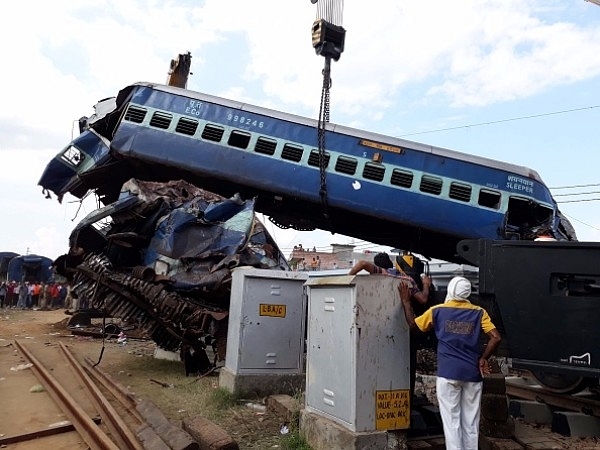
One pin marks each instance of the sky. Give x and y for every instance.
(512, 80)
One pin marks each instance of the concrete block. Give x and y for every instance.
(209, 435)
(577, 424)
(531, 411)
(260, 385)
(487, 443)
(534, 439)
(284, 406)
(324, 434)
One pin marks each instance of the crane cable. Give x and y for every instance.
(328, 40)
(330, 10)
(323, 120)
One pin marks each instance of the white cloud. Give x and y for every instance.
(400, 56)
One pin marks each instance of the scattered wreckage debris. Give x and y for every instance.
(83, 317)
(100, 329)
(160, 258)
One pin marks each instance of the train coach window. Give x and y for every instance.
(135, 114)
(212, 133)
(402, 178)
(522, 213)
(239, 139)
(490, 199)
(161, 120)
(313, 158)
(265, 146)
(374, 172)
(346, 165)
(292, 153)
(431, 185)
(73, 156)
(460, 192)
(186, 126)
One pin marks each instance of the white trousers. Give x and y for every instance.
(460, 407)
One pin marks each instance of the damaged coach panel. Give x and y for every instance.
(161, 256)
(418, 197)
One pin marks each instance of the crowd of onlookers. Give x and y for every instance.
(33, 295)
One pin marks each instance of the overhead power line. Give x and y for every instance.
(501, 121)
(577, 193)
(582, 222)
(581, 200)
(574, 186)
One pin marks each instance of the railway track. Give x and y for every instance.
(92, 411)
(523, 388)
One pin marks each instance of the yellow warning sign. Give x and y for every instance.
(392, 409)
(266, 309)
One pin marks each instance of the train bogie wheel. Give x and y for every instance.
(561, 383)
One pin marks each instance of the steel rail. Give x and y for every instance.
(124, 397)
(115, 423)
(93, 436)
(152, 434)
(568, 402)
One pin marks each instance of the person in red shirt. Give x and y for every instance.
(54, 294)
(35, 294)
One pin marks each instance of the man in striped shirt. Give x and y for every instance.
(461, 362)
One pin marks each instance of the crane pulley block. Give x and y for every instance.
(328, 39)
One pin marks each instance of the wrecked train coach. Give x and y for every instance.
(417, 197)
(161, 257)
(382, 189)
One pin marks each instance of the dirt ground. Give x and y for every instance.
(132, 365)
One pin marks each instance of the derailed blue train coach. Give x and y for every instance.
(30, 268)
(418, 197)
(5, 258)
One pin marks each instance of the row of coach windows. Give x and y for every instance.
(344, 164)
